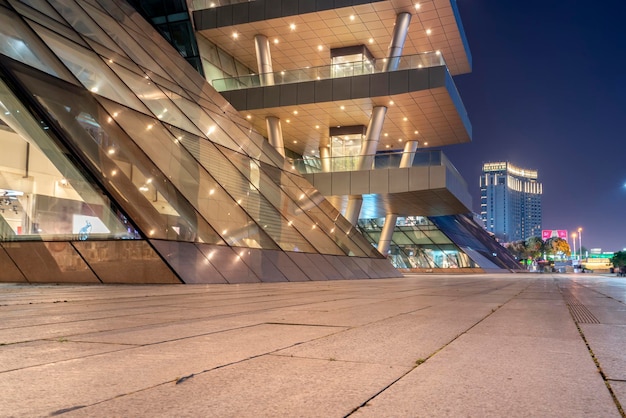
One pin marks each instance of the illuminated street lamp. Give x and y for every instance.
(580, 242)
(574, 242)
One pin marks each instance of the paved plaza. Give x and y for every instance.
(513, 345)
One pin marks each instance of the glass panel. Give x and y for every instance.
(18, 42)
(203, 121)
(311, 208)
(283, 231)
(43, 195)
(340, 225)
(146, 195)
(82, 23)
(122, 39)
(195, 184)
(155, 99)
(90, 70)
(38, 5)
(438, 237)
(58, 25)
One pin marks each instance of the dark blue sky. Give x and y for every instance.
(548, 92)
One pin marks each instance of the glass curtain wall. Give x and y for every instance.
(153, 135)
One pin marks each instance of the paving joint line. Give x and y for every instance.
(618, 405)
(421, 361)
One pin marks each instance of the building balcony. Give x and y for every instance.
(422, 100)
(301, 27)
(431, 186)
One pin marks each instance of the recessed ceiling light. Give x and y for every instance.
(276, 40)
(320, 48)
(429, 31)
(292, 26)
(417, 6)
(387, 146)
(416, 132)
(386, 134)
(399, 139)
(425, 143)
(405, 119)
(371, 40)
(288, 120)
(295, 142)
(295, 112)
(391, 102)
(438, 52)
(351, 17)
(235, 35)
(249, 116)
(317, 126)
(342, 107)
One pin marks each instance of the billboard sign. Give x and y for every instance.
(554, 233)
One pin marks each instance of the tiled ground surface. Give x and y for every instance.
(430, 345)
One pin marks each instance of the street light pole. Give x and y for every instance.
(574, 242)
(580, 242)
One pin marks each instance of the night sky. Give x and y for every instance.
(548, 92)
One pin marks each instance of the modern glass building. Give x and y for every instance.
(120, 163)
(510, 201)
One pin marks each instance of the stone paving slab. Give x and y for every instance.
(268, 386)
(496, 376)
(423, 345)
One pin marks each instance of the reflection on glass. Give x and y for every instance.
(42, 194)
(90, 70)
(201, 190)
(17, 42)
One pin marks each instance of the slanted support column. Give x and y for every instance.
(264, 60)
(394, 52)
(387, 233)
(408, 155)
(325, 159)
(353, 209)
(366, 158)
(275, 134)
(372, 136)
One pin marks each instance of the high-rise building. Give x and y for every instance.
(510, 201)
(121, 163)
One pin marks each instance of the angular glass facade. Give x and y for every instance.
(440, 242)
(118, 157)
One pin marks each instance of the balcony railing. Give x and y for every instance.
(209, 4)
(311, 165)
(349, 69)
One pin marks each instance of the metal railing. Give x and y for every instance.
(381, 161)
(209, 4)
(349, 69)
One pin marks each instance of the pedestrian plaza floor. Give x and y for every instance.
(481, 345)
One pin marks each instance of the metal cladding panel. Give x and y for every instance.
(125, 261)
(188, 262)
(50, 262)
(329, 270)
(307, 265)
(262, 264)
(8, 270)
(228, 261)
(288, 268)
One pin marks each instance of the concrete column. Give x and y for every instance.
(372, 136)
(325, 159)
(408, 154)
(275, 134)
(387, 233)
(353, 209)
(394, 52)
(264, 60)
